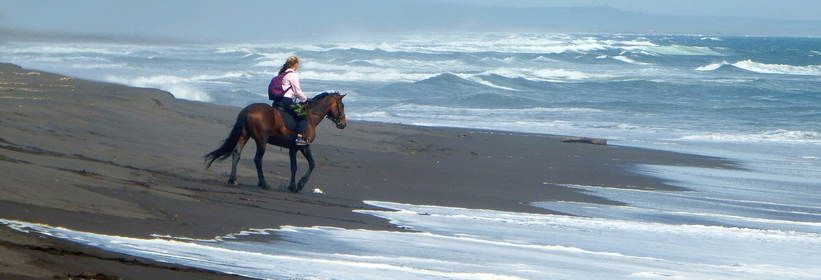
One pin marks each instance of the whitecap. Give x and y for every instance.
(712, 66)
(629, 60)
(684, 50)
(412, 64)
(479, 80)
(544, 74)
(749, 65)
(380, 75)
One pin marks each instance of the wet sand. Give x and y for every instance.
(126, 161)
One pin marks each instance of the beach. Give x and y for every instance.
(124, 161)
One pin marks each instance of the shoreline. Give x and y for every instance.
(117, 160)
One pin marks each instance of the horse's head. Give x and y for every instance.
(332, 107)
(337, 114)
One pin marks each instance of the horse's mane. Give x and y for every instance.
(322, 95)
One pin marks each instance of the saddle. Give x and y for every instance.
(288, 119)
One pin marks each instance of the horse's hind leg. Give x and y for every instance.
(292, 157)
(306, 151)
(235, 155)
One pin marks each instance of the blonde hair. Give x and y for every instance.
(289, 63)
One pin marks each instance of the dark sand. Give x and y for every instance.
(117, 160)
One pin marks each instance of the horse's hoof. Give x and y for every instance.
(232, 182)
(264, 186)
(299, 186)
(293, 189)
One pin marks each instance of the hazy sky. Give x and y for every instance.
(268, 20)
(767, 9)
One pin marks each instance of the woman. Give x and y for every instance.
(293, 92)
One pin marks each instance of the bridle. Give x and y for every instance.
(336, 120)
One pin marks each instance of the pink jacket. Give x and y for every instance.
(292, 80)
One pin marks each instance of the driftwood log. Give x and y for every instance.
(584, 140)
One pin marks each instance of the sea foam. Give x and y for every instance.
(781, 136)
(461, 243)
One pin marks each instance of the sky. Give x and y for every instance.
(765, 9)
(264, 21)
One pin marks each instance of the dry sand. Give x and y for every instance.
(117, 160)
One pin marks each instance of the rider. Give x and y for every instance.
(291, 82)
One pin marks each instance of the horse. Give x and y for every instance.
(265, 125)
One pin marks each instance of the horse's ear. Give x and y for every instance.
(342, 96)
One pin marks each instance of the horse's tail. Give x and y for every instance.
(230, 143)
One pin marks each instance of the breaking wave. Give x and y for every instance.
(764, 68)
(749, 65)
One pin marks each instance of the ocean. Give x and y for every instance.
(754, 100)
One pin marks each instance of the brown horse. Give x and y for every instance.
(265, 125)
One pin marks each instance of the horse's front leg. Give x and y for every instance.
(258, 163)
(306, 151)
(292, 155)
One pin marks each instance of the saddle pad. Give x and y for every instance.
(287, 119)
